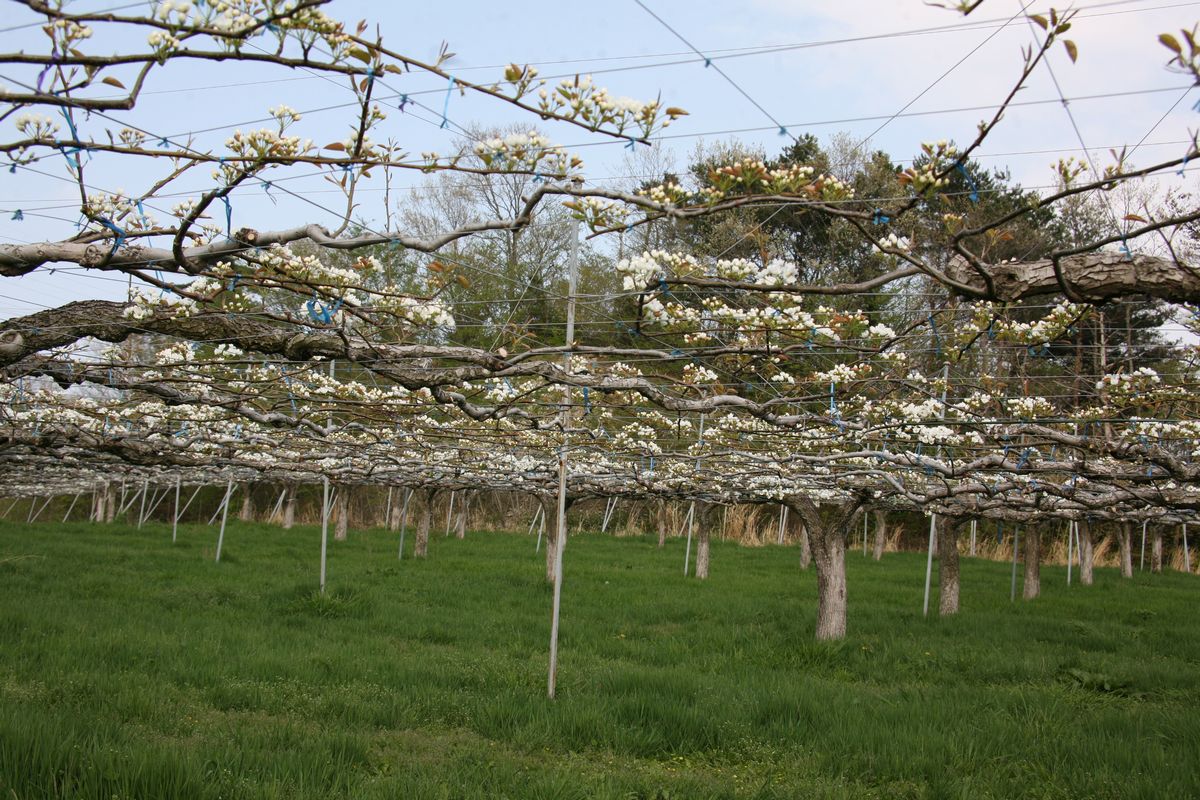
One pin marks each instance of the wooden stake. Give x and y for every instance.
(404, 521)
(175, 516)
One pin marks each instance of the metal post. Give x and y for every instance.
(572, 278)
(224, 517)
(1142, 565)
(1187, 556)
(687, 553)
(865, 518)
(974, 530)
(324, 527)
(1070, 548)
(1016, 540)
(933, 517)
(71, 507)
(142, 510)
(175, 516)
(387, 508)
(404, 521)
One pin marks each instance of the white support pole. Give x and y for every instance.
(142, 510)
(11, 506)
(121, 509)
(687, 553)
(1070, 548)
(865, 518)
(278, 505)
(1187, 556)
(228, 494)
(175, 516)
(782, 522)
(404, 521)
(1016, 541)
(1142, 565)
(933, 517)
(156, 501)
(449, 512)
(324, 527)
(929, 563)
(43, 508)
(974, 530)
(188, 504)
(387, 508)
(224, 517)
(537, 548)
(561, 535)
(724, 522)
(537, 513)
(71, 507)
(609, 508)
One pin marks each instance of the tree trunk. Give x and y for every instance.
(701, 520)
(828, 527)
(1156, 550)
(880, 534)
(395, 512)
(948, 572)
(1033, 564)
(289, 508)
(99, 508)
(247, 512)
(1125, 539)
(805, 548)
(1085, 552)
(342, 509)
(421, 543)
(460, 524)
(110, 504)
(662, 523)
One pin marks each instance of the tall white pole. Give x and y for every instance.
(865, 517)
(1016, 541)
(1142, 565)
(561, 535)
(175, 518)
(387, 508)
(687, 553)
(324, 527)
(142, 511)
(933, 517)
(449, 512)
(404, 522)
(224, 516)
(1070, 547)
(1187, 556)
(71, 507)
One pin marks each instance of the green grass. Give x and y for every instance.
(131, 668)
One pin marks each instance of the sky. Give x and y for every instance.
(888, 74)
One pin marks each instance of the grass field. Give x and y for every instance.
(131, 668)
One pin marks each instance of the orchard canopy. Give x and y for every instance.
(826, 327)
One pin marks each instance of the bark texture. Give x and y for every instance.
(662, 523)
(805, 548)
(1125, 540)
(289, 508)
(828, 526)
(1095, 276)
(424, 523)
(1086, 552)
(702, 521)
(247, 512)
(460, 524)
(1032, 586)
(880, 534)
(1156, 551)
(948, 570)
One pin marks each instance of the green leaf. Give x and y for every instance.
(1072, 50)
(1171, 43)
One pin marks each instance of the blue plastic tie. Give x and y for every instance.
(587, 402)
(228, 216)
(970, 182)
(629, 143)
(120, 232)
(403, 102)
(880, 218)
(937, 340)
(446, 106)
(18, 215)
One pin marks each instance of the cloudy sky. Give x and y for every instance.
(897, 71)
